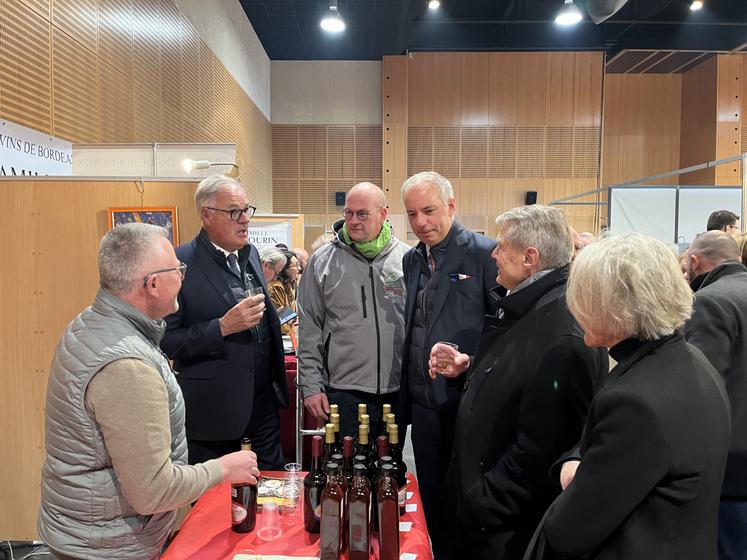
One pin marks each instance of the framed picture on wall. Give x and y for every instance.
(164, 216)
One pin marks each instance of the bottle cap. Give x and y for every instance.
(359, 468)
(333, 468)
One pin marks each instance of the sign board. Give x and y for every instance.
(24, 151)
(269, 234)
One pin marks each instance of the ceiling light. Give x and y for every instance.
(434, 5)
(696, 5)
(569, 14)
(332, 22)
(190, 165)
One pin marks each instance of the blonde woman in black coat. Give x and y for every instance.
(647, 477)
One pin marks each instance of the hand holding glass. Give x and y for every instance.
(444, 354)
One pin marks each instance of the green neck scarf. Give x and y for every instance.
(370, 249)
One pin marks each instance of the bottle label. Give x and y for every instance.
(402, 497)
(238, 513)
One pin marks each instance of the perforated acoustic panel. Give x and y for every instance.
(312, 162)
(474, 152)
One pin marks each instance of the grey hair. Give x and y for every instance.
(442, 184)
(123, 254)
(209, 187)
(542, 227)
(715, 246)
(272, 255)
(629, 285)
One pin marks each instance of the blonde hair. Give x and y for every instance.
(629, 285)
(741, 240)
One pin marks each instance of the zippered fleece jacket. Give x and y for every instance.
(351, 319)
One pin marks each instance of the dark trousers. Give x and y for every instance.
(348, 401)
(432, 442)
(263, 430)
(732, 530)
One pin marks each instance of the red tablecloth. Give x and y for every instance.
(206, 533)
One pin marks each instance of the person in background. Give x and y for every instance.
(717, 329)
(723, 220)
(741, 240)
(351, 303)
(283, 289)
(116, 454)
(449, 276)
(303, 258)
(273, 262)
(526, 396)
(224, 340)
(646, 478)
(322, 240)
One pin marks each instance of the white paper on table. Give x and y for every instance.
(409, 495)
(411, 507)
(408, 556)
(405, 526)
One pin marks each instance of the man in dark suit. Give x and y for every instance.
(448, 275)
(227, 347)
(717, 329)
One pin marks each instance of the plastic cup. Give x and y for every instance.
(291, 487)
(269, 522)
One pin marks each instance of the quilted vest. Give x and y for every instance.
(83, 512)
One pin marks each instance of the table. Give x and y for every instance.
(206, 533)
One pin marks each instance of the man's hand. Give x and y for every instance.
(568, 472)
(242, 316)
(240, 467)
(445, 360)
(317, 405)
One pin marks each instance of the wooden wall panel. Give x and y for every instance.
(560, 87)
(421, 86)
(728, 109)
(503, 89)
(77, 18)
(395, 81)
(447, 78)
(532, 87)
(475, 89)
(698, 120)
(25, 67)
(394, 85)
(587, 100)
(75, 90)
(147, 115)
(117, 110)
(115, 34)
(41, 7)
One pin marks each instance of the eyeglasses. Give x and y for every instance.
(236, 213)
(362, 215)
(181, 269)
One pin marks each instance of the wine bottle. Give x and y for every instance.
(362, 409)
(385, 410)
(359, 515)
(313, 486)
(388, 514)
(363, 447)
(389, 421)
(329, 441)
(243, 501)
(335, 419)
(330, 539)
(348, 451)
(382, 460)
(399, 467)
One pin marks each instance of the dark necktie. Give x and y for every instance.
(233, 264)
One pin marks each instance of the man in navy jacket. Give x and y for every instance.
(448, 275)
(227, 347)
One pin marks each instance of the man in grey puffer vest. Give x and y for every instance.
(116, 464)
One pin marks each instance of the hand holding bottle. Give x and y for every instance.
(240, 467)
(446, 360)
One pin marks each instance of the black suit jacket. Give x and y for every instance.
(653, 454)
(216, 373)
(459, 306)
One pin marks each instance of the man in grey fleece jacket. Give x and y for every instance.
(351, 303)
(116, 454)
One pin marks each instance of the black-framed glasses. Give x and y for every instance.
(181, 269)
(236, 213)
(362, 215)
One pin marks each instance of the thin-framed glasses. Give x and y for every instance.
(236, 213)
(362, 215)
(181, 269)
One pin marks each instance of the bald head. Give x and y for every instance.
(365, 212)
(715, 247)
(366, 192)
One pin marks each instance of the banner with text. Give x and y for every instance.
(24, 151)
(270, 234)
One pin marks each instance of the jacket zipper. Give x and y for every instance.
(363, 302)
(378, 332)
